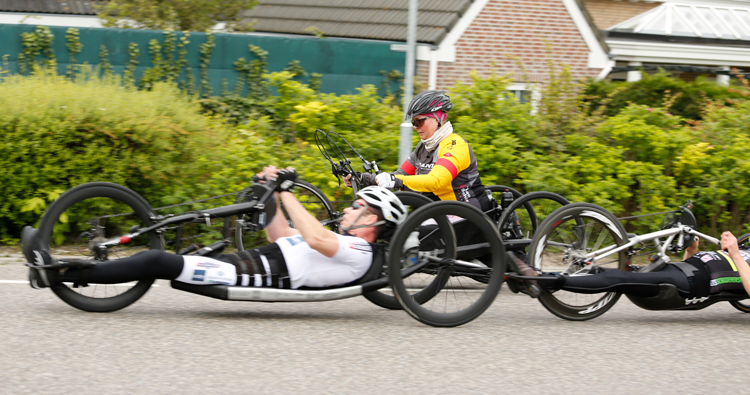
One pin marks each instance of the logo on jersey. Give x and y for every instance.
(199, 275)
(466, 194)
(208, 265)
(706, 258)
(447, 155)
(453, 144)
(295, 240)
(726, 280)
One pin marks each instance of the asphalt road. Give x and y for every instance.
(175, 342)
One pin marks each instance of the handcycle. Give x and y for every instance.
(516, 217)
(581, 236)
(115, 221)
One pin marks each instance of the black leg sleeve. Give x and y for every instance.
(144, 265)
(629, 283)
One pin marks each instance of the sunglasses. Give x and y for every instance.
(418, 122)
(357, 205)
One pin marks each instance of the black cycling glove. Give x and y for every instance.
(285, 180)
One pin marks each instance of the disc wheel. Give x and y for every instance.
(744, 243)
(461, 298)
(385, 297)
(312, 198)
(89, 213)
(561, 245)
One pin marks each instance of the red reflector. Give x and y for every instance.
(556, 223)
(124, 240)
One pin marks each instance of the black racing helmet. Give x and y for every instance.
(428, 102)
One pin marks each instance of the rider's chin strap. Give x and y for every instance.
(347, 229)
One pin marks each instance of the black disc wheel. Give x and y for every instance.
(744, 243)
(86, 215)
(417, 264)
(385, 297)
(312, 198)
(570, 241)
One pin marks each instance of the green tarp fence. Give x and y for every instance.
(345, 65)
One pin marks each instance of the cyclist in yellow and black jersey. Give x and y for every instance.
(443, 165)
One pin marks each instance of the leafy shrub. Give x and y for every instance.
(690, 98)
(57, 134)
(640, 159)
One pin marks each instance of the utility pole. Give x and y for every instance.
(411, 52)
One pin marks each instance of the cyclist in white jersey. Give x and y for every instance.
(308, 255)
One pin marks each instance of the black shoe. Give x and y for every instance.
(42, 273)
(551, 281)
(29, 243)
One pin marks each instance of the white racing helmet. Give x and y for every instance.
(394, 212)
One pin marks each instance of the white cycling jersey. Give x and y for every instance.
(310, 268)
(306, 266)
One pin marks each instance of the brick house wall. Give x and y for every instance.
(608, 13)
(508, 31)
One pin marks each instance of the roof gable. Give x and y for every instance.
(691, 22)
(368, 19)
(74, 7)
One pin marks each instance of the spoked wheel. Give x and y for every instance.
(461, 298)
(312, 198)
(85, 215)
(521, 219)
(561, 244)
(384, 297)
(744, 243)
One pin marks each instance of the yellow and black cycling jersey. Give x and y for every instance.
(449, 172)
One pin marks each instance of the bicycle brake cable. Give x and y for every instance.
(344, 166)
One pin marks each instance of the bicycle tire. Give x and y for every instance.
(316, 202)
(556, 238)
(385, 298)
(91, 196)
(529, 220)
(464, 299)
(526, 200)
(743, 242)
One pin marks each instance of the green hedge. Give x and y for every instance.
(642, 159)
(686, 99)
(57, 134)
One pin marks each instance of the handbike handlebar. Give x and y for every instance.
(344, 166)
